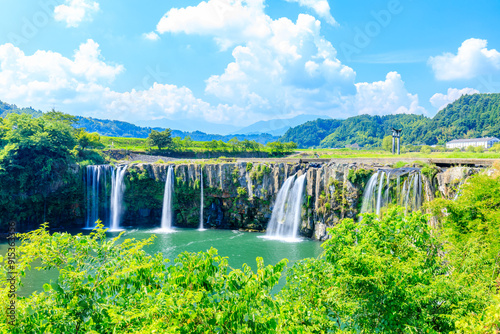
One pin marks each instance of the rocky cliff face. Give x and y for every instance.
(236, 195)
(242, 195)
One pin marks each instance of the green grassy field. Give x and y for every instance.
(132, 144)
(140, 145)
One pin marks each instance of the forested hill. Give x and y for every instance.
(470, 116)
(113, 128)
(6, 109)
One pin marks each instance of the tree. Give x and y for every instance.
(387, 143)
(211, 145)
(188, 142)
(160, 139)
(276, 148)
(495, 147)
(479, 149)
(59, 116)
(88, 140)
(425, 149)
(235, 144)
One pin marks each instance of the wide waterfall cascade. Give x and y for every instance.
(96, 193)
(201, 228)
(167, 214)
(117, 191)
(286, 216)
(401, 186)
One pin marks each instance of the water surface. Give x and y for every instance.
(239, 247)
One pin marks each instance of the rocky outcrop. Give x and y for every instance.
(450, 180)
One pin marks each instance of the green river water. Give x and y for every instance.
(239, 247)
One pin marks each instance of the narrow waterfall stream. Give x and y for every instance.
(117, 191)
(96, 194)
(286, 216)
(167, 214)
(201, 228)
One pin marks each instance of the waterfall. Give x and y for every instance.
(286, 216)
(94, 186)
(167, 212)
(201, 228)
(379, 196)
(117, 191)
(378, 193)
(369, 203)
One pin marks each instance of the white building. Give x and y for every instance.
(461, 143)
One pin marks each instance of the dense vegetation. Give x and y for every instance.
(176, 145)
(393, 274)
(471, 116)
(39, 178)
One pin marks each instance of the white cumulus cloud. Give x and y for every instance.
(152, 36)
(472, 59)
(81, 86)
(228, 21)
(321, 7)
(279, 65)
(293, 71)
(440, 101)
(74, 12)
(386, 97)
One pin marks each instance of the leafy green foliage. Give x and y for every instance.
(38, 158)
(359, 176)
(89, 140)
(377, 276)
(387, 144)
(114, 286)
(279, 149)
(160, 139)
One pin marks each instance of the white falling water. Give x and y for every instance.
(379, 196)
(378, 192)
(93, 185)
(117, 191)
(286, 217)
(167, 212)
(369, 203)
(201, 228)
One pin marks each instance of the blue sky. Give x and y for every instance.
(237, 62)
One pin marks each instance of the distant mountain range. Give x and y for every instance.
(189, 125)
(275, 127)
(124, 129)
(279, 126)
(471, 116)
